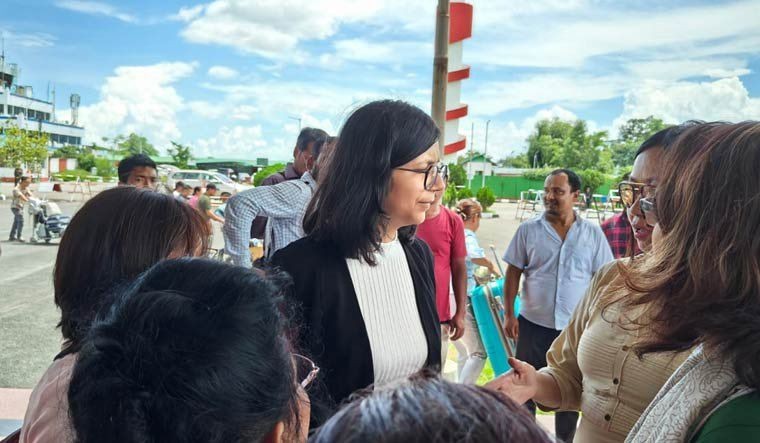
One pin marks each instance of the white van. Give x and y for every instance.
(201, 178)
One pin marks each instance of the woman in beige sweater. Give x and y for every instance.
(590, 366)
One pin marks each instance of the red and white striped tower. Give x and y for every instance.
(460, 28)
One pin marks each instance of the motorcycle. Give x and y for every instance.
(48, 222)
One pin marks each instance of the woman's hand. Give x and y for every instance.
(520, 383)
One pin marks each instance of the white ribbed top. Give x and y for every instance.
(385, 293)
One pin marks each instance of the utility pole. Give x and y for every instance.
(485, 159)
(469, 163)
(441, 70)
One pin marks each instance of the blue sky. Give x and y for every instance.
(230, 77)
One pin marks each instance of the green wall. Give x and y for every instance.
(511, 186)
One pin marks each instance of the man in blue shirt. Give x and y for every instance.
(558, 253)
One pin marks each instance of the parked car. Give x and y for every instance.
(201, 178)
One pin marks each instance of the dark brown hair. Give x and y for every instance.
(115, 236)
(467, 208)
(701, 284)
(429, 409)
(346, 211)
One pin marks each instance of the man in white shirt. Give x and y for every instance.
(558, 252)
(284, 204)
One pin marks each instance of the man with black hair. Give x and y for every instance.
(558, 252)
(138, 170)
(303, 155)
(204, 205)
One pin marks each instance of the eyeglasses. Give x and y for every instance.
(649, 208)
(306, 370)
(431, 174)
(632, 191)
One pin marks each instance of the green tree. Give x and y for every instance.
(582, 150)
(180, 154)
(105, 167)
(86, 161)
(134, 144)
(450, 196)
(546, 141)
(592, 178)
(19, 146)
(457, 175)
(515, 161)
(633, 132)
(266, 172)
(486, 197)
(68, 151)
(464, 193)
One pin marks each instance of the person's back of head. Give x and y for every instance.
(429, 409)
(194, 351)
(113, 238)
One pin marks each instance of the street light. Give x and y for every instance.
(485, 149)
(299, 122)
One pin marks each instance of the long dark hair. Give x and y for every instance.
(114, 237)
(347, 208)
(702, 282)
(430, 409)
(195, 350)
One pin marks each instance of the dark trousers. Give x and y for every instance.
(18, 223)
(532, 345)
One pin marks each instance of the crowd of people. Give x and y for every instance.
(340, 332)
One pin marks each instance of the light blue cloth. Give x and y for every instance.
(284, 203)
(556, 273)
(473, 251)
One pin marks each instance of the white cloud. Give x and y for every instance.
(185, 14)
(678, 69)
(222, 72)
(494, 97)
(206, 109)
(270, 28)
(570, 41)
(96, 8)
(138, 99)
(235, 141)
(29, 40)
(724, 99)
(384, 52)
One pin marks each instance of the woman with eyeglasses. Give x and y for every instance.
(701, 288)
(194, 350)
(363, 285)
(592, 366)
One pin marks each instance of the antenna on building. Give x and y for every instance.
(2, 60)
(52, 117)
(74, 102)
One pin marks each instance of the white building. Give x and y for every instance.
(17, 105)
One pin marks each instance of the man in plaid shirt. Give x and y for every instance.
(284, 204)
(618, 231)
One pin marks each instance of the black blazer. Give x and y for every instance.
(332, 329)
